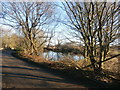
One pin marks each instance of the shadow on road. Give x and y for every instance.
(26, 70)
(27, 76)
(19, 68)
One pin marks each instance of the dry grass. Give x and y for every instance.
(71, 67)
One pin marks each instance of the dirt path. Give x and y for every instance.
(19, 74)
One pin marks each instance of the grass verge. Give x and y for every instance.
(67, 71)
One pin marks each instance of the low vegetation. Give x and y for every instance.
(72, 68)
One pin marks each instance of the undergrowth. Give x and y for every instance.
(72, 69)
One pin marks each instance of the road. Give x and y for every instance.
(19, 74)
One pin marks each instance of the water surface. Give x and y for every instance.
(58, 55)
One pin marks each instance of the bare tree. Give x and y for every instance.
(30, 18)
(5, 38)
(96, 24)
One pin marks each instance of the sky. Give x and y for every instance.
(60, 32)
(58, 0)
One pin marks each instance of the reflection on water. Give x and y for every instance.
(58, 55)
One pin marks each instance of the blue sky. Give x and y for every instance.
(60, 32)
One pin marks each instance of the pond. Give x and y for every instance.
(58, 55)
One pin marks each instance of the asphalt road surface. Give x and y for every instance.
(19, 74)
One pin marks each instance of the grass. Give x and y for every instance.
(69, 68)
